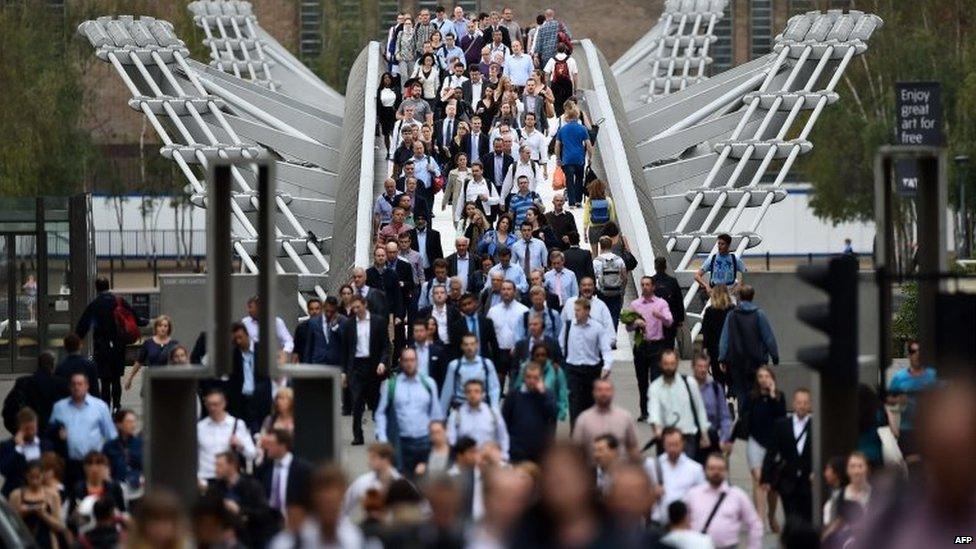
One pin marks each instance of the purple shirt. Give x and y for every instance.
(653, 326)
(735, 514)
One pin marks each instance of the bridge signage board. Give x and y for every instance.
(919, 113)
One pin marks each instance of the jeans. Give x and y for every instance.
(411, 452)
(614, 303)
(579, 381)
(574, 183)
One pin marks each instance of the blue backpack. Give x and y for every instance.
(599, 210)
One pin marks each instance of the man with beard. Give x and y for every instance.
(737, 513)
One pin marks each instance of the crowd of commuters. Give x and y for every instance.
(469, 362)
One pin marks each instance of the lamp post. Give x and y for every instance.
(962, 165)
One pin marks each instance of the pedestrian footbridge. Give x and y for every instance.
(686, 157)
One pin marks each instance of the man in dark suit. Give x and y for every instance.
(472, 91)
(480, 325)
(448, 318)
(666, 287)
(109, 351)
(468, 260)
(375, 298)
(427, 241)
(393, 278)
(788, 463)
(284, 476)
(432, 355)
(475, 142)
(537, 336)
(479, 278)
(366, 357)
(38, 391)
(16, 451)
(496, 164)
(74, 363)
(314, 307)
(248, 389)
(324, 344)
(578, 260)
(257, 522)
(444, 131)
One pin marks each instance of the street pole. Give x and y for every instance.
(962, 165)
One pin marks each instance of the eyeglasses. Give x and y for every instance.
(912, 350)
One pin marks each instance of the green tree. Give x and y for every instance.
(45, 148)
(922, 40)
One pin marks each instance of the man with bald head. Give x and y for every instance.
(375, 298)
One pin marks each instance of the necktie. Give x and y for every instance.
(448, 127)
(525, 259)
(474, 145)
(472, 327)
(559, 286)
(276, 488)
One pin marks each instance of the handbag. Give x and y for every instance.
(594, 130)
(558, 179)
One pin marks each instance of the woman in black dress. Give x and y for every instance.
(387, 102)
(719, 305)
(765, 405)
(155, 350)
(39, 508)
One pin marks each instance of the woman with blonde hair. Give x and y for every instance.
(477, 224)
(719, 305)
(598, 210)
(154, 350)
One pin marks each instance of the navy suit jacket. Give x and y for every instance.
(317, 350)
(13, 464)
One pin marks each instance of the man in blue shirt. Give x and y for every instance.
(449, 53)
(510, 271)
(724, 266)
(903, 390)
(573, 147)
(529, 252)
(85, 424)
(469, 366)
(408, 403)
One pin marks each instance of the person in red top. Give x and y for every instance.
(655, 315)
(391, 232)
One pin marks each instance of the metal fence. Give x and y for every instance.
(129, 243)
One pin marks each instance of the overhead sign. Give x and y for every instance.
(919, 108)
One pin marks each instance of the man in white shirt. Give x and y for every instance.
(518, 66)
(477, 420)
(219, 432)
(379, 458)
(286, 344)
(454, 81)
(674, 400)
(674, 471)
(598, 309)
(507, 317)
(535, 140)
(523, 166)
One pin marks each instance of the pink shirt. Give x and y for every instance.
(735, 514)
(653, 326)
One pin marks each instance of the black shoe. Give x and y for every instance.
(642, 418)
(346, 413)
(358, 441)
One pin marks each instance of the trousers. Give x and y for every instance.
(364, 388)
(647, 367)
(579, 381)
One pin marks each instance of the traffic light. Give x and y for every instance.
(836, 361)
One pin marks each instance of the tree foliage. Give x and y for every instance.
(41, 113)
(923, 40)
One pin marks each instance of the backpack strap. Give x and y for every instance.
(691, 403)
(569, 324)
